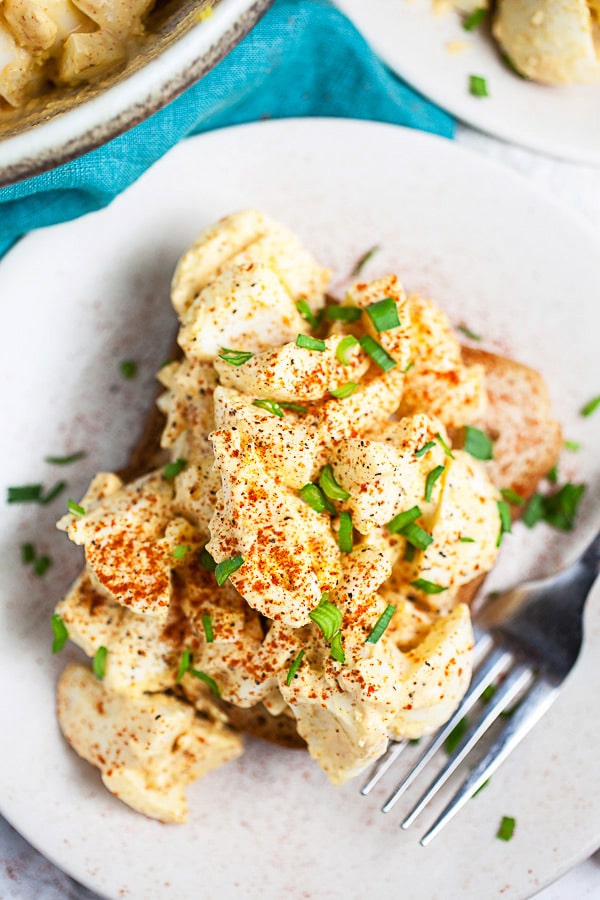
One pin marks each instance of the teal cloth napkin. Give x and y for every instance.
(304, 58)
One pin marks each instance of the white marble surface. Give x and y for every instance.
(25, 874)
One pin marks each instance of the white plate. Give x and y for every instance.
(561, 121)
(80, 297)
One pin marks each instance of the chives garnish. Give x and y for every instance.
(330, 487)
(328, 617)
(475, 19)
(479, 789)
(505, 520)
(337, 649)
(270, 405)
(467, 540)
(431, 479)
(409, 366)
(344, 348)
(558, 509)
(306, 312)
(235, 357)
(75, 509)
(207, 680)
(506, 828)
(27, 553)
(61, 635)
(379, 356)
(444, 445)
(310, 343)
(428, 587)
(467, 332)
(591, 406)
(206, 560)
(313, 495)
(477, 443)
(343, 313)
(416, 536)
(41, 565)
(54, 491)
(208, 628)
(409, 553)
(345, 533)
(99, 663)
(344, 391)
(512, 497)
(403, 519)
(382, 623)
(174, 468)
(552, 475)
(383, 314)
(572, 445)
(294, 668)
(25, 493)
(478, 86)
(65, 460)
(364, 260)
(534, 511)
(128, 368)
(184, 664)
(456, 736)
(226, 568)
(488, 693)
(180, 551)
(424, 449)
(296, 407)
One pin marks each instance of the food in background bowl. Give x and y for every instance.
(305, 553)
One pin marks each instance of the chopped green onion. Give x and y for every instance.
(330, 487)
(54, 491)
(180, 551)
(381, 624)
(75, 509)
(344, 349)
(431, 479)
(552, 475)
(227, 567)
(345, 540)
(343, 313)
(478, 86)
(206, 560)
(424, 449)
(337, 649)
(415, 535)
(488, 693)
(27, 553)
(468, 333)
(511, 496)
(414, 740)
(294, 668)
(444, 445)
(477, 443)
(383, 314)
(409, 553)
(328, 617)
(271, 406)
(558, 509)
(344, 391)
(235, 357)
(506, 829)
(364, 260)
(174, 468)
(505, 520)
(409, 366)
(572, 445)
(313, 495)
(379, 356)
(475, 19)
(26, 493)
(456, 736)
(41, 565)
(306, 312)
(208, 628)
(534, 511)
(296, 407)
(128, 368)
(207, 680)
(403, 519)
(99, 663)
(184, 664)
(310, 343)
(65, 460)
(467, 540)
(61, 635)
(428, 587)
(481, 787)
(591, 406)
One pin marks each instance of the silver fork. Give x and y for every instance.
(529, 638)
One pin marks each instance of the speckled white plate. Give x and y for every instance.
(79, 298)
(561, 121)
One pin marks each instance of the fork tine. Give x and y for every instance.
(517, 679)
(529, 712)
(491, 667)
(387, 760)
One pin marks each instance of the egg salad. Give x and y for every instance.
(307, 543)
